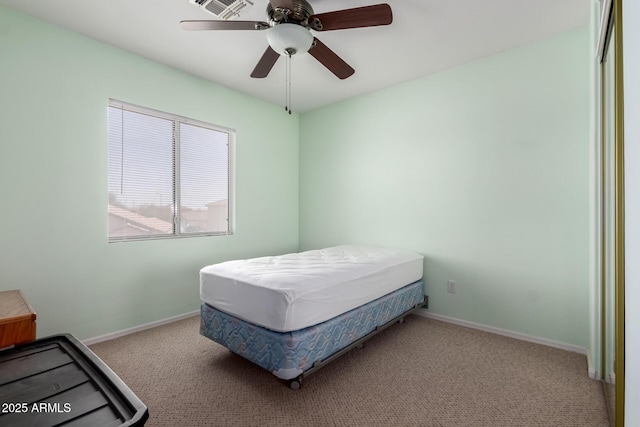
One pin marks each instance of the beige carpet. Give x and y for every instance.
(420, 373)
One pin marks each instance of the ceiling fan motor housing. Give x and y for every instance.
(298, 12)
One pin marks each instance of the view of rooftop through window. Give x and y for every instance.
(167, 175)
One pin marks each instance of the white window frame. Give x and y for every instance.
(177, 120)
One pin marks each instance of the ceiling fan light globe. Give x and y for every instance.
(289, 39)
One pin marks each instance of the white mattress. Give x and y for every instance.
(294, 291)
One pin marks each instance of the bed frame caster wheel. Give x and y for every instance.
(296, 383)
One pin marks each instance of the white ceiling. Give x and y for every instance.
(426, 36)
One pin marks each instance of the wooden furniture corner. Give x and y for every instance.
(17, 319)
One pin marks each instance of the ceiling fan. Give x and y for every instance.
(288, 31)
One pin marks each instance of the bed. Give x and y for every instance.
(292, 314)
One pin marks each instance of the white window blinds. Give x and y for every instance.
(168, 175)
(204, 179)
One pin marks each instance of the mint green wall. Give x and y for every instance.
(484, 169)
(54, 89)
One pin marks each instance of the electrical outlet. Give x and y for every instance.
(451, 286)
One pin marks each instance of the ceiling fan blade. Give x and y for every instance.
(329, 59)
(367, 16)
(266, 63)
(223, 25)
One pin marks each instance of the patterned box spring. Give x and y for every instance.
(289, 354)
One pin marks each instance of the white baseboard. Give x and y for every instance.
(593, 373)
(504, 332)
(128, 331)
(611, 379)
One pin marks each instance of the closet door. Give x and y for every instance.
(612, 210)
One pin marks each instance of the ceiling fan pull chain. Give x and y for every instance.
(289, 83)
(286, 83)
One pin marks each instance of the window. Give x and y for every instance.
(169, 176)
